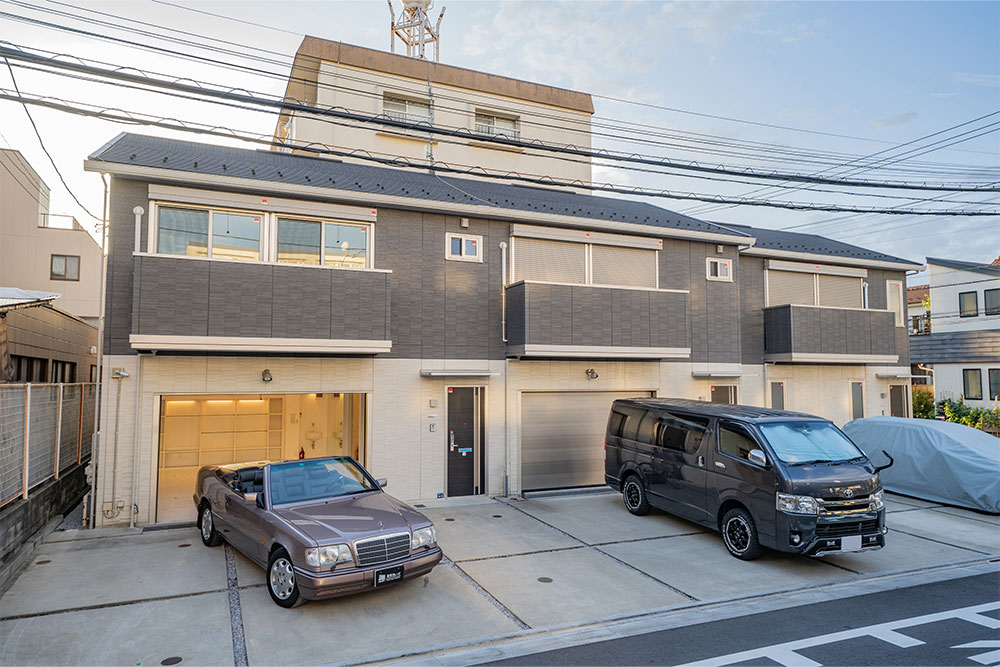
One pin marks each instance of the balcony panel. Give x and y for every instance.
(556, 320)
(812, 334)
(193, 304)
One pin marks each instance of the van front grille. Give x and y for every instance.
(840, 529)
(839, 506)
(376, 550)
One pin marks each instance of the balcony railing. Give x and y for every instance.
(814, 334)
(404, 117)
(563, 320)
(492, 130)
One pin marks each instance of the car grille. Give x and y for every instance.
(840, 506)
(852, 528)
(375, 550)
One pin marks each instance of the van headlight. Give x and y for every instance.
(878, 498)
(423, 537)
(330, 556)
(796, 504)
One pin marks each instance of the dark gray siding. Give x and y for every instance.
(878, 298)
(807, 330)
(46, 333)
(125, 195)
(179, 296)
(542, 314)
(750, 275)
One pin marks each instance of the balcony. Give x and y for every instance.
(815, 334)
(196, 304)
(566, 321)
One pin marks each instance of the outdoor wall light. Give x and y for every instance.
(591, 373)
(265, 375)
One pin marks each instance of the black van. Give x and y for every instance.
(761, 477)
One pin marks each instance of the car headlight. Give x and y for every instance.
(330, 556)
(423, 537)
(796, 504)
(879, 499)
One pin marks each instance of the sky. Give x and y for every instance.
(877, 74)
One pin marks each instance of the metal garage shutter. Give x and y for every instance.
(839, 291)
(631, 267)
(550, 261)
(784, 287)
(562, 437)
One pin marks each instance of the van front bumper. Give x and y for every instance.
(319, 586)
(822, 536)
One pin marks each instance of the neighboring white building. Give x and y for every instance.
(44, 252)
(964, 346)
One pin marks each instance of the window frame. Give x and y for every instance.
(986, 302)
(993, 382)
(588, 280)
(493, 116)
(728, 263)
(975, 299)
(475, 238)
(901, 313)
(153, 243)
(64, 278)
(407, 116)
(742, 429)
(965, 383)
(275, 218)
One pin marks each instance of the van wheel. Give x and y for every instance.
(634, 494)
(740, 535)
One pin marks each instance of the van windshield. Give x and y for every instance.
(809, 442)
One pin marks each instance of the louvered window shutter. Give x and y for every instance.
(549, 261)
(784, 287)
(840, 291)
(628, 267)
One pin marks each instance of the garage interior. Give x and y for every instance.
(203, 430)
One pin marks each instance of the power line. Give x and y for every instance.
(31, 194)
(46, 150)
(465, 170)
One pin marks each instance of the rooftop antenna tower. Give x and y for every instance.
(414, 28)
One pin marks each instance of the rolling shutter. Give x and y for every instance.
(628, 267)
(840, 291)
(784, 287)
(550, 261)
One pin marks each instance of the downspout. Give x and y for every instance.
(95, 437)
(116, 374)
(506, 370)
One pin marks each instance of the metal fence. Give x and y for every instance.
(44, 430)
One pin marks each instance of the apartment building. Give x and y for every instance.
(963, 348)
(44, 252)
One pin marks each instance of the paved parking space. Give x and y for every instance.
(513, 566)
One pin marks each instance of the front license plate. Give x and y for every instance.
(389, 575)
(850, 543)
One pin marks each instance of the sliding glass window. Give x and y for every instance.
(182, 232)
(236, 236)
(299, 241)
(345, 246)
(205, 233)
(327, 243)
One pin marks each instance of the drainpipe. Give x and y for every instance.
(506, 370)
(135, 442)
(95, 438)
(503, 290)
(116, 374)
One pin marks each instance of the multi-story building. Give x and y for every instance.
(963, 348)
(44, 252)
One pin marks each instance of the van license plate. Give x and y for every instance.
(390, 575)
(850, 543)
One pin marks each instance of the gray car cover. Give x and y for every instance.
(935, 460)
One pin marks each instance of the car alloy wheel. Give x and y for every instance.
(206, 523)
(282, 578)
(633, 494)
(737, 534)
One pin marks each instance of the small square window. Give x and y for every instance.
(968, 304)
(972, 384)
(463, 247)
(719, 269)
(65, 267)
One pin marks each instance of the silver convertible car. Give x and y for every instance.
(320, 527)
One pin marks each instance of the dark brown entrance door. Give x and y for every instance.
(465, 436)
(897, 400)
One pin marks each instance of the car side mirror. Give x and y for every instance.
(250, 498)
(757, 456)
(382, 482)
(259, 500)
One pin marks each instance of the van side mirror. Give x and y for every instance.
(757, 456)
(260, 500)
(382, 482)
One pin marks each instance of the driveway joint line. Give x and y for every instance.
(109, 605)
(524, 553)
(947, 544)
(603, 553)
(486, 594)
(648, 539)
(235, 610)
(941, 510)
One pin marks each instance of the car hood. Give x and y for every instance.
(831, 481)
(352, 517)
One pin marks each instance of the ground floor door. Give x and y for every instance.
(897, 400)
(562, 437)
(466, 460)
(219, 429)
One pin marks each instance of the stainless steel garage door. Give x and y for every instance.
(562, 437)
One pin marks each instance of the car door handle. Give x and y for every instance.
(229, 500)
(720, 465)
(700, 461)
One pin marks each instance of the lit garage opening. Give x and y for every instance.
(222, 429)
(562, 437)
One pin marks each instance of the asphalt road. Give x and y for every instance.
(922, 625)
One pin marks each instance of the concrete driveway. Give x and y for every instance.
(513, 567)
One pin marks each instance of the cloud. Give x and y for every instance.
(989, 80)
(896, 121)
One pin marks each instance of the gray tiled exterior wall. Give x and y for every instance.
(808, 330)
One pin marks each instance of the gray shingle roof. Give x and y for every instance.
(975, 267)
(955, 347)
(775, 239)
(269, 166)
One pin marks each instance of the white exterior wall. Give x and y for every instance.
(949, 382)
(946, 285)
(401, 446)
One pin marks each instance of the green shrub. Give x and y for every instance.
(923, 405)
(980, 418)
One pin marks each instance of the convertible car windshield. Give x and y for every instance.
(809, 442)
(313, 479)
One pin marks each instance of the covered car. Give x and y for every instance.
(939, 461)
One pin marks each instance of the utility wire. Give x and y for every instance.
(46, 150)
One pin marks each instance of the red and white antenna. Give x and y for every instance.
(414, 28)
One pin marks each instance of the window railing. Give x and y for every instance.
(920, 324)
(404, 117)
(493, 130)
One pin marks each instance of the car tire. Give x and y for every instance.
(634, 494)
(281, 584)
(210, 537)
(739, 534)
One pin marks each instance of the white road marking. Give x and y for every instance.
(989, 658)
(785, 654)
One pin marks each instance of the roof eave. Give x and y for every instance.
(836, 259)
